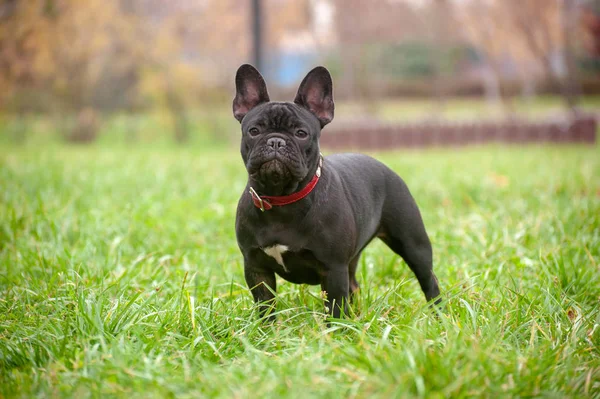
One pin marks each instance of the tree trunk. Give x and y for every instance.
(570, 87)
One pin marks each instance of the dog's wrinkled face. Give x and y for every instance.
(280, 140)
(279, 144)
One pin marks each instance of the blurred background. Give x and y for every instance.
(139, 71)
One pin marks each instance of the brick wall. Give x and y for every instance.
(380, 136)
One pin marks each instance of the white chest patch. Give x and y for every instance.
(275, 252)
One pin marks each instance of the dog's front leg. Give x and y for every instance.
(336, 285)
(263, 285)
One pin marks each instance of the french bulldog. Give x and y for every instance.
(306, 217)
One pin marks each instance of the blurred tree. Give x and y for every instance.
(68, 57)
(22, 39)
(85, 58)
(443, 18)
(547, 29)
(538, 33)
(570, 85)
(484, 25)
(410, 59)
(364, 28)
(591, 22)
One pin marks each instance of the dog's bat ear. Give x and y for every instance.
(316, 94)
(250, 91)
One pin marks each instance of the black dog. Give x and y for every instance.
(308, 218)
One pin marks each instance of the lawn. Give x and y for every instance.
(120, 276)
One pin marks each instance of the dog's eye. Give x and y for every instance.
(253, 131)
(301, 134)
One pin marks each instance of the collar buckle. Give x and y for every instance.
(318, 172)
(257, 200)
(266, 203)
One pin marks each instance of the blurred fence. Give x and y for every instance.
(379, 136)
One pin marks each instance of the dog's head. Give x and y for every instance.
(280, 140)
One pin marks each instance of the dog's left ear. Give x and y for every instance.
(316, 94)
(250, 91)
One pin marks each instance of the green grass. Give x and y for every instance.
(120, 276)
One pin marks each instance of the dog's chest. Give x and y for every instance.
(276, 252)
(298, 266)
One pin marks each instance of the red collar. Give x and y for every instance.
(267, 202)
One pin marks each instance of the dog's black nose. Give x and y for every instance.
(276, 142)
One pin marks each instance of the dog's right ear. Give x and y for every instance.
(250, 91)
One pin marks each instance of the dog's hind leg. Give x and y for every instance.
(402, 229)
(418, 257)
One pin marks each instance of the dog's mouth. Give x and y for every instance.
(273, 177)
(274, 171)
